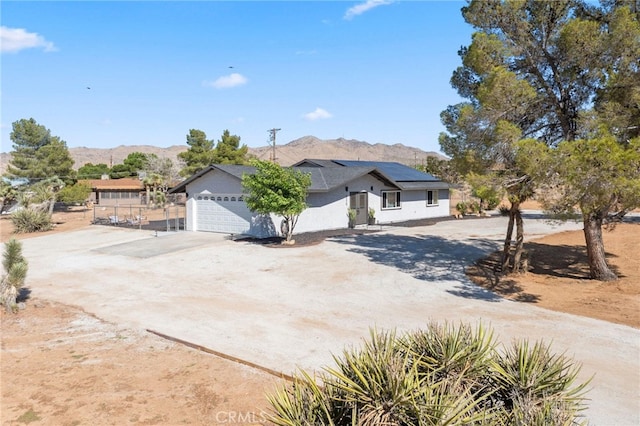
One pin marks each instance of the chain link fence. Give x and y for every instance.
(169, 218)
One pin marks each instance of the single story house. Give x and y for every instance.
(115, 192)
(393, 191)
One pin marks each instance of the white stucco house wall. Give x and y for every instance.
(397, 193)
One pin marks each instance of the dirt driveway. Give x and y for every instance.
(284, 309)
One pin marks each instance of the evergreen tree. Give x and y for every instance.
(229, 151)
(199, 155)
(37, 154)
(552, 71)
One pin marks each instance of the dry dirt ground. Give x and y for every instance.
(62, 366)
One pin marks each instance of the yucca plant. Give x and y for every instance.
(444, 375)
(538, 387)
(303, 403)
(451, 352)
(27, 220)
(15, 266)
(377, 382)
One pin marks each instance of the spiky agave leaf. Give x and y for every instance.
(537, 385)
(302, 403)
(452, 353)
(377, 382)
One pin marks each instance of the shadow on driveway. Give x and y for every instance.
(427, 258)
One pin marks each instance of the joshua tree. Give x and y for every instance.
(15, 267)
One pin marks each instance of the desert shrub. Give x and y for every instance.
(27, 220)
(461, 207)
(74, 194)
(491, 202)
(444, 374)
(474, 207)
(537, 386)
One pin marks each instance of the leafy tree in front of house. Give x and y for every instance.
(92, 171)
(599, 176)
(38, 155)
(199, 155)
(229, 151)
(278, 190)
(15, 272)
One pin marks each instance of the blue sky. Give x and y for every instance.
(103, 74)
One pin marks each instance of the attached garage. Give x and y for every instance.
(227, 213)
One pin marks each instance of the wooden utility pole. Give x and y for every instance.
(272, 140)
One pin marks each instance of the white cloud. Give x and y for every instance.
(16, 39)
(361, 8)
(318, 114)
(227, 81)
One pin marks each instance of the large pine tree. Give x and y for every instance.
(37, 155)
(552, 71)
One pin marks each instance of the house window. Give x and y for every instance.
(390, 199)
(432, 198)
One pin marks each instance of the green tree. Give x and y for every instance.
(536, 69)
(600, 176)
(199, 155)
(229, 151)
(92, 171)
(74, 194)
(278, 190)
(15, 267)
(442, 169)
(38, 155)
(132, 165)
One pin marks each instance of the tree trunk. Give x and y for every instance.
(598, 268)
(8, 296)
(517, 267)
(506, 252)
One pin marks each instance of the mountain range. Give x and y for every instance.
(286, 155)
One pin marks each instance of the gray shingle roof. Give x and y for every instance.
(329, 174)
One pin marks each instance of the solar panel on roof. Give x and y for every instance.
(396, 171)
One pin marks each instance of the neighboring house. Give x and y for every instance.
(397, 193)
(115, 192)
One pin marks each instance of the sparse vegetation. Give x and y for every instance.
(444, 374)
(15, 267)
(28, 220)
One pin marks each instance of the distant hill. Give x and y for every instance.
(292, 152)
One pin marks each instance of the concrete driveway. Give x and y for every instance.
(289, 308)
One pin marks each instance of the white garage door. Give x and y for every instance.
(227, 213)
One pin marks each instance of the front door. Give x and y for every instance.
(358, 202)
